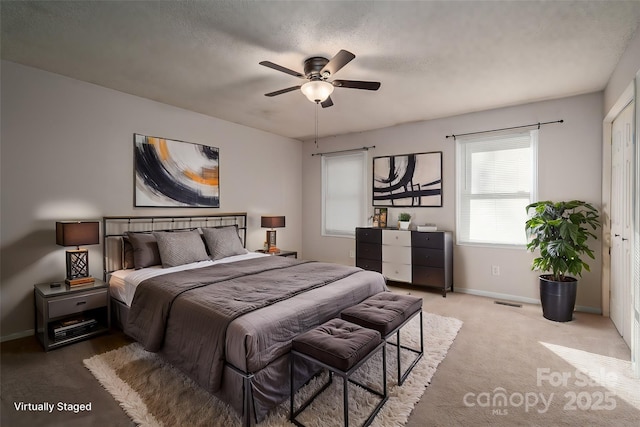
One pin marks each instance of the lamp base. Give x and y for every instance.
(80, 281)
(271, 242)
(77, 264)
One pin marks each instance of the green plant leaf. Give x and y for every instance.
(561, 230)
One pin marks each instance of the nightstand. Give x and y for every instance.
(64, 315)
(281, 253)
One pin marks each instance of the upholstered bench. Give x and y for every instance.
(340, 347)
(387, 313)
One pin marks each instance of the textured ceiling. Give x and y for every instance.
(434, 59)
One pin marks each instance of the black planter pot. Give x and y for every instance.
(558, 298)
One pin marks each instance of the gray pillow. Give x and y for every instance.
(180, 247)
(145, 250)
(127, 254)
(223, 242)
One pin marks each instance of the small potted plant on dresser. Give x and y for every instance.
(560, 231)
(404, 220)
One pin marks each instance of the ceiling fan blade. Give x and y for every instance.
(327, 103)
(341, 59)
(281, 91)
(356, 84)
(277, 67)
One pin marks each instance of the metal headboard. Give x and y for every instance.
(115, 227)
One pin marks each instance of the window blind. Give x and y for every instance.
(496, 180)
(343, 193)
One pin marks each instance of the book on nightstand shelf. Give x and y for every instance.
(80, 281)
(70, 327)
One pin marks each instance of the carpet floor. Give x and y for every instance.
(499, 347)
(153, 393)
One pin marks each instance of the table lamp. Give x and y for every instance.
(78, 233)
(272, 222)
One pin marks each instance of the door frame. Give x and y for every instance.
(627, 96)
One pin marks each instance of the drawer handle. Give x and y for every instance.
(81, 302)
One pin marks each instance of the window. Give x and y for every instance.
(496, 180)
(344, 192)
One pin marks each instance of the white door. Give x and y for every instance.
(621, 219)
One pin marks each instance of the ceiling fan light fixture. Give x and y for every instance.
(317, 90)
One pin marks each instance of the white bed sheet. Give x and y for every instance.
(123, 283)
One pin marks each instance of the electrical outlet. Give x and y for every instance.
(495, 270)
(352, 253)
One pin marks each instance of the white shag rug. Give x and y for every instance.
(153, 393)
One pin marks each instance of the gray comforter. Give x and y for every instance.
(215, 296)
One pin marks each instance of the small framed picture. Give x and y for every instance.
(380, 217)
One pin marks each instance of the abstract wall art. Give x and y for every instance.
(171, 173)
(408, 180)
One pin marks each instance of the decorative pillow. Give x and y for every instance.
(180, 247)
(223, 242)
(145, 250)
(127, 253)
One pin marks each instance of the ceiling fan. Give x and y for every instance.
(318, 70)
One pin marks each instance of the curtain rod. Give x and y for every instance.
(344, 151)
(497, 130)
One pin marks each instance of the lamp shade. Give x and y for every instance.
(272, 222)
(317, 90)
(77, 233)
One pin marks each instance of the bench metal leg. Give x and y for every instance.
(403, 376)
(293, 414)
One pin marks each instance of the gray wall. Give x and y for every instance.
(67, 153)
(623, 74)
(569, 167)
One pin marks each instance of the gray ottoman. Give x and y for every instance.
(340, 347)
(387, 313)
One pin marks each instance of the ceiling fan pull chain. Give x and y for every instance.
(317, 106)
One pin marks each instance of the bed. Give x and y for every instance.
(225, 318)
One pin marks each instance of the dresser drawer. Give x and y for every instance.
(428, 276)
(78, 303)
(369, 250)
(399, 272)
(396, 238)
(369, 235)
(396, 254)
(423, 239)
(369, 264)
(428, 257)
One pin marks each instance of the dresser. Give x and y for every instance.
(416, 257)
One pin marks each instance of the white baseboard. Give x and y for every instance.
(17, 335)
(585, 309)
(516, 298)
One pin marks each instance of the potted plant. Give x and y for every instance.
(404, 219)
(560, 231)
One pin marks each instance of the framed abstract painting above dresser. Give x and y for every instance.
(408, 180)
